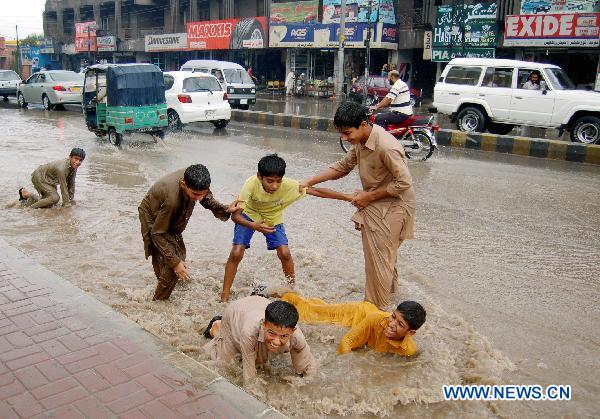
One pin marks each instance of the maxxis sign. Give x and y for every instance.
(553, 30)
(227, 34)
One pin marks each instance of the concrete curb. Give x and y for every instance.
(104, 317)
(523, 146)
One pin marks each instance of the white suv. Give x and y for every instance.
(493, 94)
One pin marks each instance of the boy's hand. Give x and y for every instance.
(263, 228)
(181, 271)
(234, 207)
(361, 199)
(303, 185)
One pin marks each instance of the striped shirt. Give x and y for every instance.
(400, 95)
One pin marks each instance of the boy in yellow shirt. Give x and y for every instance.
(260, 207)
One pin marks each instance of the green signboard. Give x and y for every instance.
(465, 30)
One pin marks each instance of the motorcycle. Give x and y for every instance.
(416, 134)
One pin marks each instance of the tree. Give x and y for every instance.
(31, 40)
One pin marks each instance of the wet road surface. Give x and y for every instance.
(505, 261)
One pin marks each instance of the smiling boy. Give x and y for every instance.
(259, 330)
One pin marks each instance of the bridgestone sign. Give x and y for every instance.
(166, 42)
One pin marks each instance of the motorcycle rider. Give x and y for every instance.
(398, 99)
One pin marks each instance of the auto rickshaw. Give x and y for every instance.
(124, 98)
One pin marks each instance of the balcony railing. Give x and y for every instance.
(411, 18)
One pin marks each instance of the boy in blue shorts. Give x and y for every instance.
(260, 207)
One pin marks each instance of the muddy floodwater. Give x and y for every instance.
(505, 260)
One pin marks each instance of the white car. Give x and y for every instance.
(493, 94)
(195, 97)
(9, 81)
(51, 88)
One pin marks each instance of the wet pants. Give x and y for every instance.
(384, 119)
(48, 194)
(167, 279)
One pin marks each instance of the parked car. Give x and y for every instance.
(480, 94)
(240, 88)
(51, 88)
(378, 87)
(195, 97)
(9, 81)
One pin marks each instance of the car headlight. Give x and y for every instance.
(230, 90)
(253, 91)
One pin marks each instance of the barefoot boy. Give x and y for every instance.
(261, 203)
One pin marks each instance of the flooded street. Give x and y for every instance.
(505, 260)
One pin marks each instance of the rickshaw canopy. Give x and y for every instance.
(132, 84)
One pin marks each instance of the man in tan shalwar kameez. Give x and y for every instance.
(164, 214)
(386, 205)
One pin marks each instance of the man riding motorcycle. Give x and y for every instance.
(398, 99)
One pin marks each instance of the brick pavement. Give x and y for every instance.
(56, 363)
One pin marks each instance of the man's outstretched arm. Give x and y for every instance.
(329, 193)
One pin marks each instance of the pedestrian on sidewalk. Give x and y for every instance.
(386, 205)
(259, 330)
(164, 213)
(61, 172)
(290, 80)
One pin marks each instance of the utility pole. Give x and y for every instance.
(18, 57)
(340, 79)
(89, 46)
(367, 53)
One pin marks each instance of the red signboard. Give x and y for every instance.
(568, 29)
(85, 32)
(228, 34)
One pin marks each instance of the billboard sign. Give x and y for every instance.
(166, 42)
(445, 55)
(358, 11)
(427, 43)
(85, 32)
(536, 7)
(106, 43)
(294, 12)
(553, 30)
(47, 46)
(227, 34)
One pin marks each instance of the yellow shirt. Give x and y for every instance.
(260, 205)
(367, 323)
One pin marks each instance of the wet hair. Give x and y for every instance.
(414, 314)
(21, 197)
(271, 165)
(282, 314)
(350, 115)
(197, 177)
(79, 152)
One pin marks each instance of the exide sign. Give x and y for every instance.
(570, 29)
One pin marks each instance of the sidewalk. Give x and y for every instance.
(64, 354)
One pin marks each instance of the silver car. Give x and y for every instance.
(51, 88)
(9, 81)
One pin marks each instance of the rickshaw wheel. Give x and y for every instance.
(174, 121)
(114, 137)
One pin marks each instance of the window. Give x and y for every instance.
(90, 81)
(498, 77)
(201, 84)
(32, 79)
(559, 79)
(529, 79)
(377, 82)
(9, 75)
(169, 81)
(237, 76)
(66, 76)
(463, 75)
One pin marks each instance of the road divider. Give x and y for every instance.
(523, 146)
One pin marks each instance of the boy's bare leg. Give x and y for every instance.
(235, 257)
(287, 263)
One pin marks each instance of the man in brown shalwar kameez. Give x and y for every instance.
(60, 172)
(164, 214)
(386, 205)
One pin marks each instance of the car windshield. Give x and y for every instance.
(237, 76)
(199, 84)
(66, 76)
(559, 79)
(9, 75)
(377, 82)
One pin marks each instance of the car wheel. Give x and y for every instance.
(159, 134)
(586, 130)
(221, 123)
(46, 102)
(21, 101)
(114, 137)
(500, 129)
(174, 121)
(471, 119)
(244, 107)
(5, 98)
